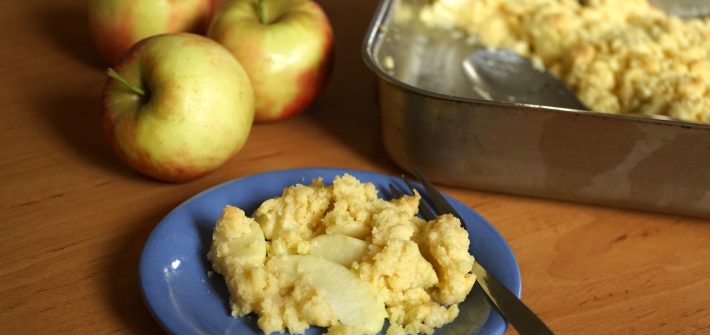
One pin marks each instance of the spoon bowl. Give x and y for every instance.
(503, 75)
(685, 9)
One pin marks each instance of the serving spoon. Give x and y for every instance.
(502, 75)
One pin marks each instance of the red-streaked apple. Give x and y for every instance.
(284, 45)
(116, 25)
(177, 106)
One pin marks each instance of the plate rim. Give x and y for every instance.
(154, 234)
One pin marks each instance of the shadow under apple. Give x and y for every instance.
(66, 26)
(72, 115)
(347, 107)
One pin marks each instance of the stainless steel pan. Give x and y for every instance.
(433, 121)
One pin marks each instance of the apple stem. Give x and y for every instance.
(116, 76)
(261, 12)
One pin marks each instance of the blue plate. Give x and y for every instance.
(185, 300)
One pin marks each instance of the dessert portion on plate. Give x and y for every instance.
(624, 57)
(337, 256)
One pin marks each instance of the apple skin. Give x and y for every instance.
(116, 25)
(197, 113)
(288, 58)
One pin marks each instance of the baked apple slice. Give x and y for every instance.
(354, 301)
(341, 249)
(237, 240)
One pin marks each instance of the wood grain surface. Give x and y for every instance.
(73, 218)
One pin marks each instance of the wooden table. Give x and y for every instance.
(74, 218)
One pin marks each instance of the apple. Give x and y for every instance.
(116, 25)
(216, 6)
(177, 106)
(284, 45)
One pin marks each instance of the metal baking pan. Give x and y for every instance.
(431, 120)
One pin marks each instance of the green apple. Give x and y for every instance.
(116, 25)
(284, 45)
(177, 107)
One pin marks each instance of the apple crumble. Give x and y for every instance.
(618, 56)
(337, 256)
